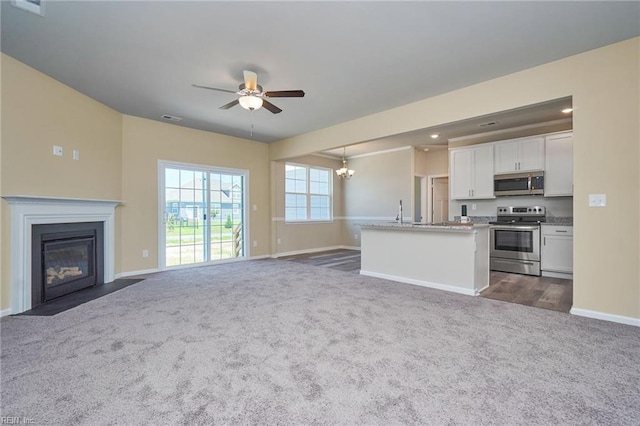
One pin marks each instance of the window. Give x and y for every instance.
(307, 193)
(204, 213)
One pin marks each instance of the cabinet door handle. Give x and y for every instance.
(544, 243)
(558, 230)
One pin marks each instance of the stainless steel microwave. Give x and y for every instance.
(531, 183)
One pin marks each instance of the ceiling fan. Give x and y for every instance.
(252, 96)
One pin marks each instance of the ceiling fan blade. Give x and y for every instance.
(285, 94)
(271, 107)
(213, 88)
(250, 80)
(230, 104)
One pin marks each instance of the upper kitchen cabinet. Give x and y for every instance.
(471, 172)
(558, 168)
(519, 155)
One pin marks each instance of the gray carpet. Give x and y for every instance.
(275, 342)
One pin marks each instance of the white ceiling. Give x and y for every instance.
(351, 58)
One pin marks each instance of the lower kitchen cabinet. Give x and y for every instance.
(556, 251)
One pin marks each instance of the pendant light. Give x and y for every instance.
(344, 172)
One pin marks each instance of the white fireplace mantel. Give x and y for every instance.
(27, 211)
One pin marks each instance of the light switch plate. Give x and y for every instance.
(597, 200)
(57, 150)
(76, 154)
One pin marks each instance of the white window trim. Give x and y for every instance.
(161, 250)
(308, 167)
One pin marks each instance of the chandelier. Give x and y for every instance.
(344, 172)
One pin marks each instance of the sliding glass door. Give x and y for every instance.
(203, 214)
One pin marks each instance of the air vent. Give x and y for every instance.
(171, 118)
(33, 6)
(488, 124)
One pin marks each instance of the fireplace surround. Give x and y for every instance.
(27, 211)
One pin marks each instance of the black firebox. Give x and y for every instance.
(66, 257)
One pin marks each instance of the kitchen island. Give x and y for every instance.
(449, 256)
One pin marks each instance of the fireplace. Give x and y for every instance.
(65, 257)
(27, 211)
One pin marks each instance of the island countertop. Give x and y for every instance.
(450, 256)
(429, 227)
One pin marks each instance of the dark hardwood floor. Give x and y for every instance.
(341, 259)
(541, 292)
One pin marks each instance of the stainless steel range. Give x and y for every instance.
(515, 240)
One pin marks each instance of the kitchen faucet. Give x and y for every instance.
(399, 216)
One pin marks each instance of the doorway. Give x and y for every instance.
(438, 198)
(202, 212)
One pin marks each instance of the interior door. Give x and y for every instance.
(440, 199)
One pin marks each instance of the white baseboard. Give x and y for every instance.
(312, 250)
(437, 286)
(5, 312)
(262, 256)
(132, 273)
(562, 275)
(481, 290)
(605, 316)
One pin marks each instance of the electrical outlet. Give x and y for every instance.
(255, 207)
(57, 150)
(76, 154)
(255, 243)
(279, 241)
(597, 200)
(474, 207)
(145, 253)
(355, 236)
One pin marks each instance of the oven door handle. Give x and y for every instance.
(516, 228)
(529, 183)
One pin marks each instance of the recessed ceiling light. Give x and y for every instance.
(567, 110)
(434, 136)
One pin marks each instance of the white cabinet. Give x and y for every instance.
(556, 253)
(471, 171)
(558, 165)
(519, 155)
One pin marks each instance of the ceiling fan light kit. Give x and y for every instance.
(252, 96)
(250, 102)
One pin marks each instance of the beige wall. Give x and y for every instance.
(604, 84)
(144, 143)
(294, 237)
(37, 113)
(433, 162)
(374, 193)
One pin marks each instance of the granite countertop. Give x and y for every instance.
(445, 226)
(559, 221)
(550, 220)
